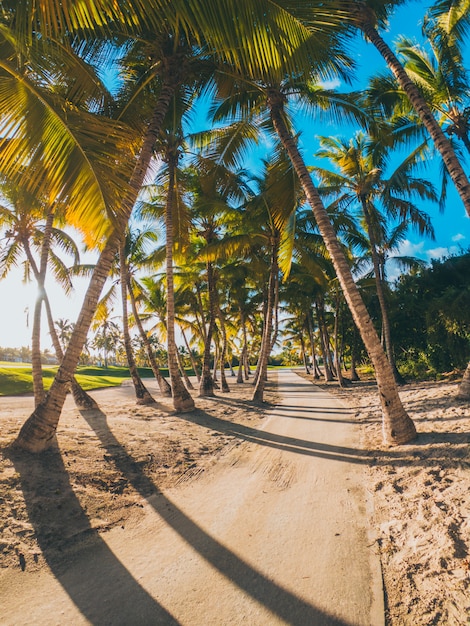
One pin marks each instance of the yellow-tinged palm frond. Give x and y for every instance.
(263, 38)
(55, 18)
(286, 246)
(59, 152)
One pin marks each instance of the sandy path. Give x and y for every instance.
(276, 533)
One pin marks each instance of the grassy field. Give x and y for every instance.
(16, 378)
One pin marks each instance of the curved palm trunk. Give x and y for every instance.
(182, 400)
(464, 387)
(163, 384)
(36, 365)
(206, 386)
(258, 393)
(379, 286)
(397, 426)
(365, 21)
(142, 394)
(315, 369)
(81, 398)
(182, 369)
(40, 275)
(324, 340)
(339, 373)
(38, 432)
(223, 354)
(191, 356)
(243, 354)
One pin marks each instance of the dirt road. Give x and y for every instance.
(276, 533)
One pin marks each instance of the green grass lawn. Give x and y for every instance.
(16, 378)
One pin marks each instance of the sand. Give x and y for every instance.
(421, 495)
(420, 492)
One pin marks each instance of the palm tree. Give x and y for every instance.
(367, 15)
(30, 231)
(108, 334)
(38, 431)
(216, 192)
(142, 394)
(443, 81)
(280, 45)
(64, 329)
(360, 185)
(182, 399)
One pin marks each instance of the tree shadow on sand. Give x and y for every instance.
(280, 601)
(102, 588)
(412, 454)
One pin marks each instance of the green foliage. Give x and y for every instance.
(430, 314)
(417, 366)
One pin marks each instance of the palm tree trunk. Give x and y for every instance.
(304, 353)
(315, 369)
(258, 393)
(324, 340)
(242, 357)
(182, 399)
(38, 432)
(81, 398)
(464, 387)
(216, 358)
(206, 386)
(246, 360)
(354, 374)
(240, 366)
(143, 396)
(224, 387)
(379, 286)
(365, 21)
(163, 384)
(184, 374)
(40, 275)
(397, 426)
(36, 365)
(339, 373)
(191, 356)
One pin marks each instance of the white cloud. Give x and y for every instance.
(413, 249)
(458, 237)
(438, 253)
(330, 84)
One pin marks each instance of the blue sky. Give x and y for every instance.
(452, 226)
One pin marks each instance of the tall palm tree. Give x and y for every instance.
(443, 81)
(142, 394)
(38, 431)
(216, 192)
(30, 234)
(368, 16)
(182, 399)
(361, 184)
(108, 334)
(397, 425)
(261, 39)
